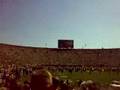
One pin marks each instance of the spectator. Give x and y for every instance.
(42, 80)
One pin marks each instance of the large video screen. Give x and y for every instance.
(65, 44)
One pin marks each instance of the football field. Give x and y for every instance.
(100, 77)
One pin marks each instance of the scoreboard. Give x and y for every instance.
(67, 44)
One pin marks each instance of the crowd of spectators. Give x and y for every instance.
(12, 77)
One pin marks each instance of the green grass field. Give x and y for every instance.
(100, 77)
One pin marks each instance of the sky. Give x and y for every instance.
(40, 23)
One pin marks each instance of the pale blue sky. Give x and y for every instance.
(41, 23)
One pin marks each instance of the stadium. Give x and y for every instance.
(59, 56)
(86, 56)
(65, 63)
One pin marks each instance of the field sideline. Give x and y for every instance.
(100, 77)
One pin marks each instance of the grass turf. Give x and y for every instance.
(100, 77)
